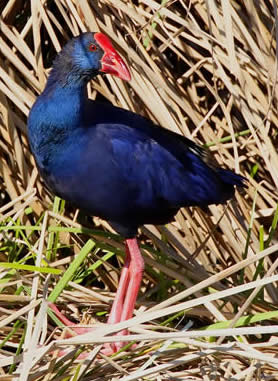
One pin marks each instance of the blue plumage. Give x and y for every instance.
(113, 163)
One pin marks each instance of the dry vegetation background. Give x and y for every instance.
(208, 303)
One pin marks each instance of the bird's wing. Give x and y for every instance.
(159, 176)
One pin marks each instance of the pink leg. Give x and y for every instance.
(136, 269)
(125, 299)
(116, 310)
(128, 289)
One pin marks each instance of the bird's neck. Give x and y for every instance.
(64, 74)
(63, 104)
(58, 111)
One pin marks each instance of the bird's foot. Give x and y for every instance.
(108, 349)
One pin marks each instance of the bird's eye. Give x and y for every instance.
(92, 47)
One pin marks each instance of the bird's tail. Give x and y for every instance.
(229, 181)
(231, 178)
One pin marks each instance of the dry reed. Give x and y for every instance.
(205, 69)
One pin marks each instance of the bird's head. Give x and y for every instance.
(87, 55)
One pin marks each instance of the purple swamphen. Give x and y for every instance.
(114, 163)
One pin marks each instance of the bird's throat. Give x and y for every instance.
(64, 105)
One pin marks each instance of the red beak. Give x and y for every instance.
(111, 62)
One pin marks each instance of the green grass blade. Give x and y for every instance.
(18, 266)
(273, 228)
(68, 275)
(244, 320)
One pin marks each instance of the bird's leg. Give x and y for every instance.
(125, 303)
(136, 269)
(125, 299)
(117, 307)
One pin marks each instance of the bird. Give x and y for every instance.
(113, 163)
